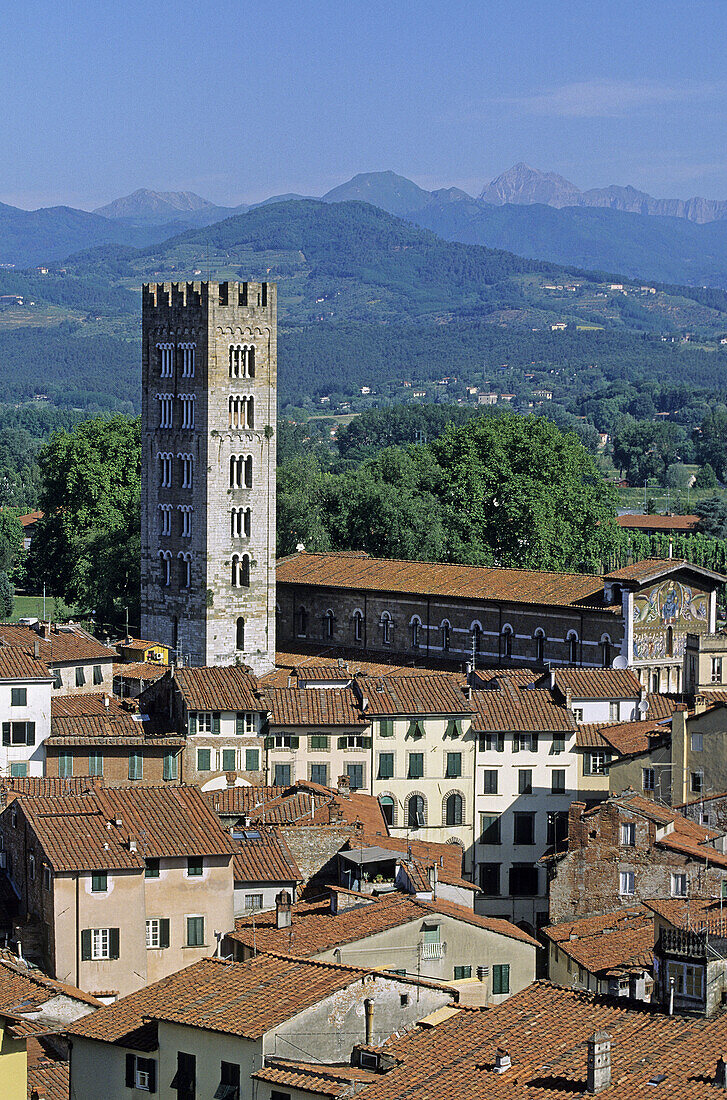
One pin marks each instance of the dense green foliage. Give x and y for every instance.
(7, 599)
(87, 546)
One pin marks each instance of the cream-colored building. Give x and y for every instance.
(118, 887)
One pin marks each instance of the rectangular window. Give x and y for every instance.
(501, 978)
(281, 775)
(596, 762)
(454, 765)
(628, 834)
(141, 1073)
(228, 760)
(97, 674)
(185, 1079)
(578, 713)
(462, 972)
(195, 866)
(558, 744)
(95, 762)
(80, 676)
(99, 943)
(319, 774)
(204, 757)
(47, 878)
(151, 868)
(386, 765)
(557, 828)
(229, 1081)
(386, 727)
(157, 933)
(57, 678)
(18, 733)
(490, 832)
(524, 880)
(557, 781)
(678, 885)
(252, 760)
(319, 741)
(613, 708)
(253, 901)
(647, 779)
(697, 742)
(489, 782)
(525, 781)
(416, 765)
(492, 742)
(65, 765)
(627, 883)
(716, 670)
(18, 697)
(19, 769)
(195, 931)
(697, 782)
(355, 773)
(524, 828)
(244, 724)
(136, 765)
(170, 766)
(99, 882)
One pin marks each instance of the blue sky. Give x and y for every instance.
(239, 100)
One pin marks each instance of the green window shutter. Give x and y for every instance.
(516, 742)
(113, 943)
(366, 742)
(164, 932)
(413, 727)
(252, 760)
(228, 760)
(151, 1069)
(269, 742)
(6, 733)
(386, 765)
(387, 727)
(130, 1071)
(534, 742)
(342, 742)
(30, 733)
(501, 978)
(85, 944)
(204, 759)
(240, 724)
(500, 742)
(216, 722)
(294, 741)
(170, 765)
(192, 721)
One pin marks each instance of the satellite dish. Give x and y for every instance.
(620, 662)
(643, 706)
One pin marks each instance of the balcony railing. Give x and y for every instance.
(433, 950)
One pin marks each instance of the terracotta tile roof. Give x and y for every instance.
(48, 1074)
(651, 568)
(515, 708)
(241, 800)
(634, 737)
(687, 837)
(26, 990)
(46, 786)
(140, 670)
(313, 707)
(323, 674)
(589, 735)
(66, 644)
(305, 805)
(29, 518)
(215, 688)
(138, 643)
(412, 695)
(545, 1029)
(607, 941)
(263, 856)
(325, 1080)
(695, 914)
(91, 704)
(290, 664)
(468, 582)
(173, 821)
(16, 664)
(658, 523)
(661, 706)
(597, 683)
(493, 677)
(118, 729)
(247, 999)
(448, 857)
(315, 929)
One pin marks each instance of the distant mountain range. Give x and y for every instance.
(538, 215)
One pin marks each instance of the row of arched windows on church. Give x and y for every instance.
(444, 642)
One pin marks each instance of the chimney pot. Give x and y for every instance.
(283, 914)
(599, 1062)
(503, 1060)
(36, 648)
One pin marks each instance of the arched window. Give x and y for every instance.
(606, 651)
(539, 646)
(572, 648)
(328, 623)
(388, 808)
(251, 362)
(240, 634)
(248, 472)
(302, 622)
(357, 626)
(655, 681)
(386, 625)
(670, 641)
(415, 628)
(165, 565)
(245, 571)
(476, 631)
(185, 570)
(235, 571)
(415, 811)
(446, 635)
(453, 809)
(507, 633)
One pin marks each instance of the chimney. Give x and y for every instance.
(132, 844)
(432, 874)
(700, 704)
(568, 698)
(283, 914)
(721, 1076)
(599, 1062)
(503, 1061)
(36, 648)
(45, 630)
(369, 1010)
(343, 785)
(106, 701)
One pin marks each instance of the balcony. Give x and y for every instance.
(433, 950)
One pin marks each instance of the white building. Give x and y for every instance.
(25, 694)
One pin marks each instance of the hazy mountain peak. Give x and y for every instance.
(144, 203)
(522, 184)
(391, 192)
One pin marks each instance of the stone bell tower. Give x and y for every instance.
(208, 423)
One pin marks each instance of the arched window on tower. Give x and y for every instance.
(251, 362)
(573, 648)
(235, 578)
(540, 646)
(245, 571)
(606, 651)
(240, 634)
(476, 638)
(507, 633)
(386, 625)
(357, 626)
(415, 628)
(446, 632)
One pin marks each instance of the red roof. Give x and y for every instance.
(658, 523)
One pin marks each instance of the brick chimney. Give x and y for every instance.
(283, 913)
(599, 1062)
(577, 835)
(344, 785)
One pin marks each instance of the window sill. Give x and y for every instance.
(195, 946)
